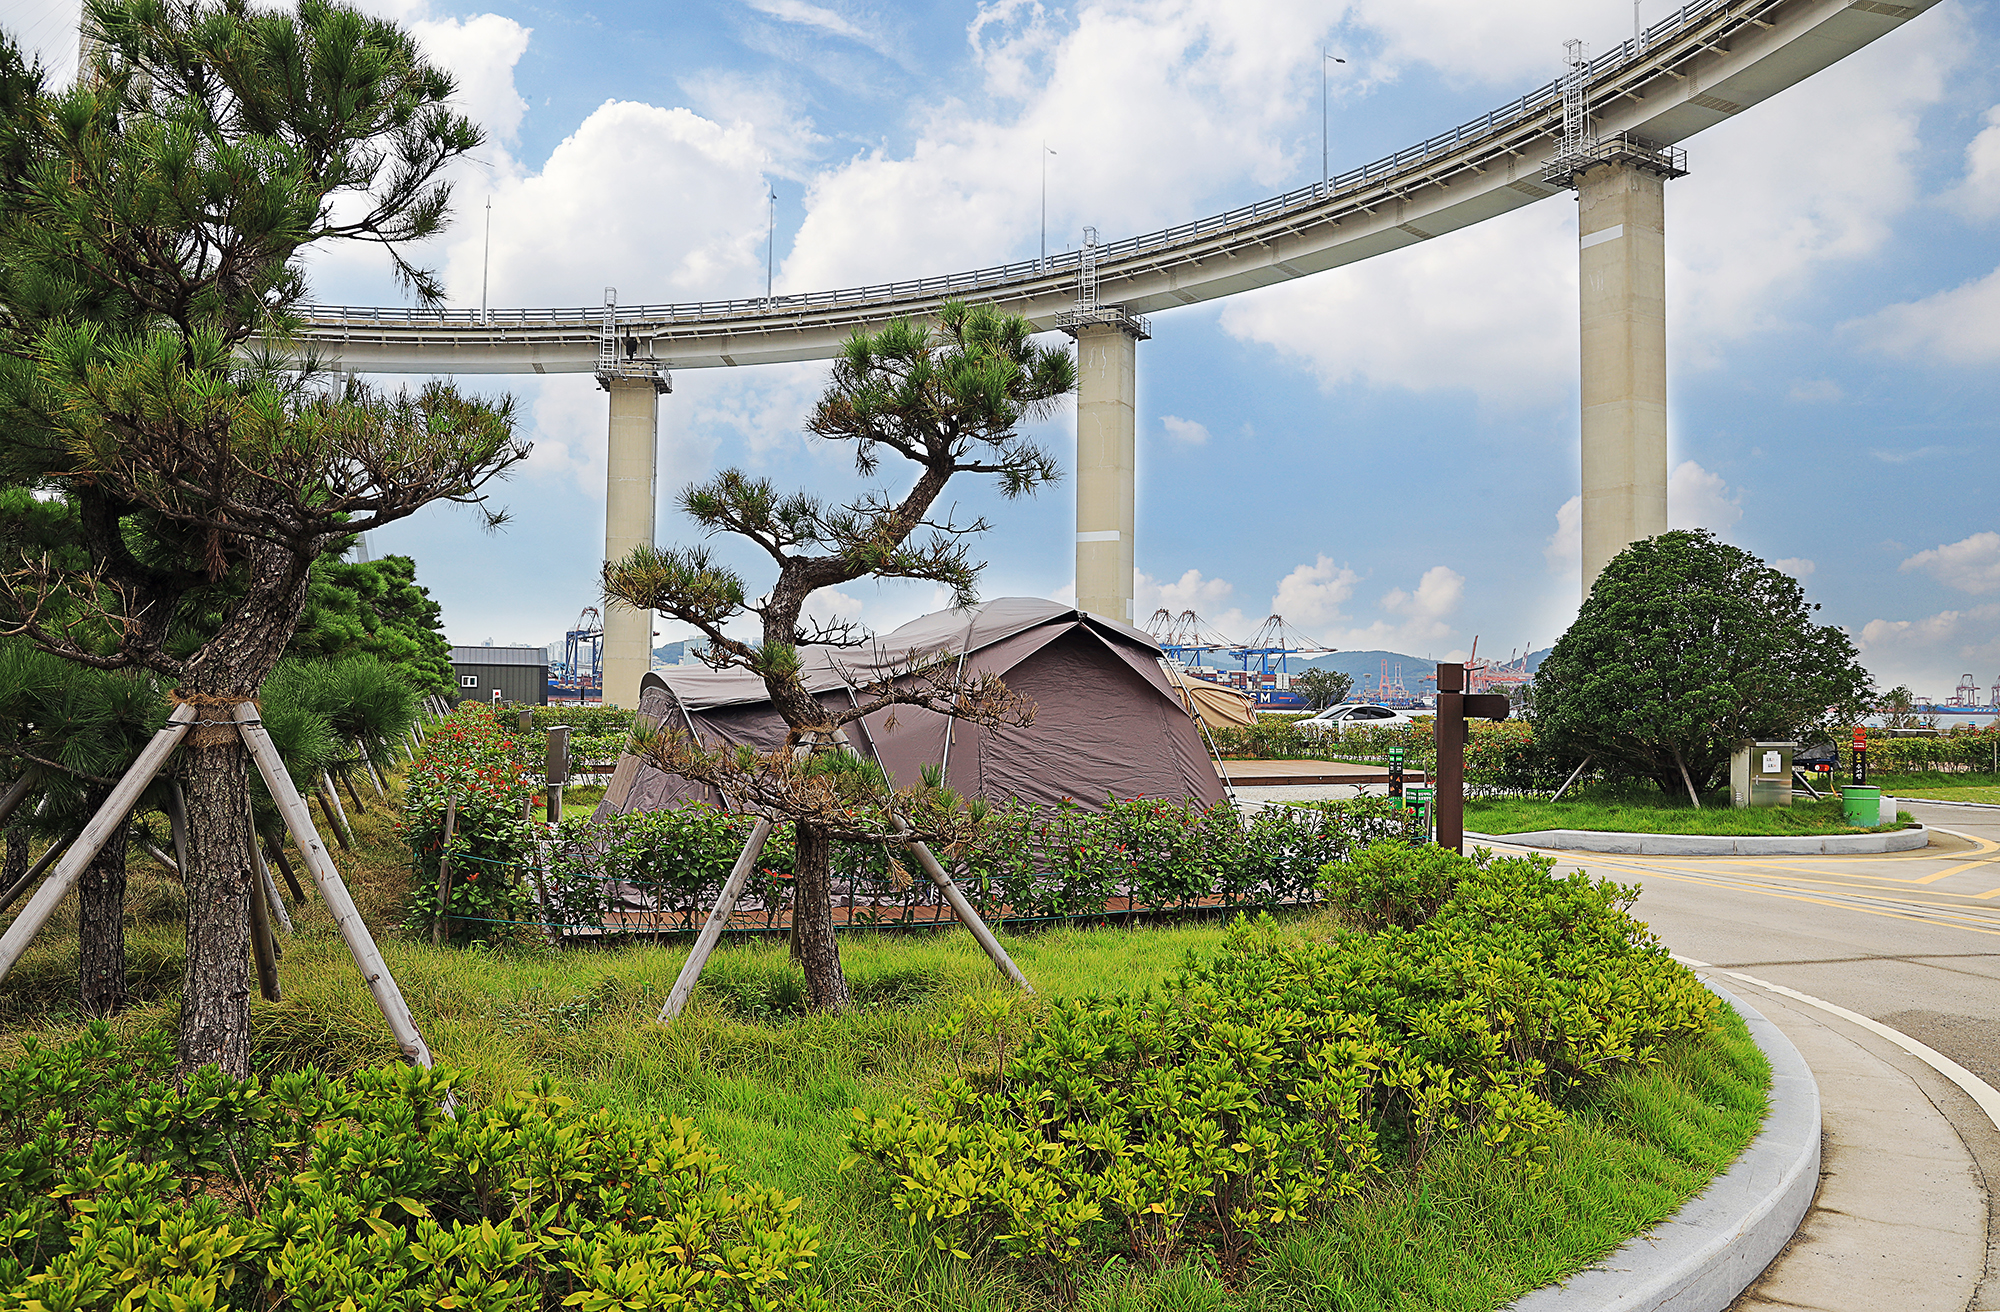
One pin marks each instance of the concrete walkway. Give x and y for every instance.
(1900, 1219)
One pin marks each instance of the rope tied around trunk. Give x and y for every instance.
(207, 731)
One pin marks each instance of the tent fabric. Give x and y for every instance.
(1215, 704)
(1107, 720)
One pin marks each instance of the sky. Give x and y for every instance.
(1387, 454)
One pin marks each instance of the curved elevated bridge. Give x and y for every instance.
(1609, 129)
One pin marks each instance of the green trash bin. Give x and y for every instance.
(1861, 804)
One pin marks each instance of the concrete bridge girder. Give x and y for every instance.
(1727, 59)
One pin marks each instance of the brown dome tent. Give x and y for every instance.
(1107, 721)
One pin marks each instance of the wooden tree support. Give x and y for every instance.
(374, 775)
(967, 914)
(270, 889)
(353, 932)
(34, 872)
(93, 837)
(17, 793)
(274, 852)
(177, 822)
(718, 920)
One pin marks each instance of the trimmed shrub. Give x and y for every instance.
(1484, 997)
(307, 1192)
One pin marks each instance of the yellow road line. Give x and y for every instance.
(1823, 902)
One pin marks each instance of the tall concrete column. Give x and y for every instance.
(630, 495)
(1621, 221)
(1106, 464)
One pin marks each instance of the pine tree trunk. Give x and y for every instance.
(215, 994)
(812, 922)
(18, 859)
(220, 878)
(100, 924)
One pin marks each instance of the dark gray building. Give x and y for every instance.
(517, 674)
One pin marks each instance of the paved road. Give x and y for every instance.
(1905, 1218)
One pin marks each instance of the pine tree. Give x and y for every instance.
(151, 223)
(948, 398)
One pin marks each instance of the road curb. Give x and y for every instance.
(1706, 1254)
(1589, 840)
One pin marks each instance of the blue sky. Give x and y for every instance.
(1386, 454)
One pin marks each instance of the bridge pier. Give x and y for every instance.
(630, 498)
(1107, 399)
(1622, 263)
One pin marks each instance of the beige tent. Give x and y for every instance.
(1216, 705)
(1108, 721)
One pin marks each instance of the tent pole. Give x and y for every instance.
(360, 944)
(93, 837)
(1201, 722)
(718, 919)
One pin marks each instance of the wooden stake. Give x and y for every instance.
(332, 794)
(326, 809)
(34, 872)
(353, 931)
(441, 927)
(352, 795)
(177, 821)
(263, 948)
(17, 793)
(967, 915)
(166, 862)
(274, 851)
(374, 775)
(264, 878)
(1572, 779)
(718, 920)
(93, 837)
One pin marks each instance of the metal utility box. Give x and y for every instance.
(1760, 774)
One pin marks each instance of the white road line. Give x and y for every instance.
(1979, 1090)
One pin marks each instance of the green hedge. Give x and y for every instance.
(1480, 997)
(1144, 855)
(363, 1194)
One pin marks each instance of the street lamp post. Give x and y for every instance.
(770, 236)
(1325, 171)
(1043, 265)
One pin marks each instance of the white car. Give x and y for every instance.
(1335, 719)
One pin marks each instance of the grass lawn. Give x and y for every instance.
(773, 1087)
(1647, 810)
(1941, 785)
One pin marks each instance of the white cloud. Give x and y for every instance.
(1766, 206)
(1564, 553)
(1957, 326)
(1211, 599)
(1978, 197)
(1697, 498)
(1185, 431)
(1814, 390)
(814, 16)
(1311, 595)
(1972, 565)
(1796, 566)
(1930, 653)
(663, 204)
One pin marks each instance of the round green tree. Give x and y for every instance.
(1685, 649)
